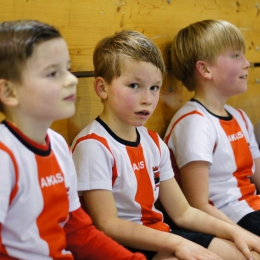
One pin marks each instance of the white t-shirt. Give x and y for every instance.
(228, 144)
(37, 192)
(131, 170)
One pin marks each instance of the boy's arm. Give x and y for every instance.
(256, 177)
(195, 186)
(193, 219)
(84, 241)
(102, 209)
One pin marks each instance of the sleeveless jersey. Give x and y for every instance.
(37, 192)
(131, 170)
(228, 144)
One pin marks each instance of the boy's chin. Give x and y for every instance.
(66, 116)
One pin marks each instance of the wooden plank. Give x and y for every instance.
(83, 23)
(88, 107)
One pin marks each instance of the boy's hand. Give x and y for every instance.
(188, 250)
(246, 242)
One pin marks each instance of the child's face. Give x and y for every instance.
(133, 97)
(48, 89)
(230, 73)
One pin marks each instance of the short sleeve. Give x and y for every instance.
(7, 181)
(94, 163)
(194, 139)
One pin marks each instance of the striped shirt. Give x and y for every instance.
(131, 170)
(228, 144)
(37, 192)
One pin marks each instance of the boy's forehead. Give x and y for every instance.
(141, 69)
(53, 50)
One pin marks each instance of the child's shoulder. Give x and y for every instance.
(55, 135)
(189, 110)
(93, 127)
(147, 134)
(56, 139)
(145, 131)
(238, 113)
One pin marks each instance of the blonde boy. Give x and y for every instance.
(123, 167)
(211, 143)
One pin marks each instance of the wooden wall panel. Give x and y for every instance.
(84, 22)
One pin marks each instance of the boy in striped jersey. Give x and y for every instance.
(40, 213)
(123, 167)
(213, 144)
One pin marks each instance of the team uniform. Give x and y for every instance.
(40, 213)
(228, 144)
(131, 170)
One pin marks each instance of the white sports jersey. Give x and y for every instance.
(37, 191)
(228, 144)
(131, 170)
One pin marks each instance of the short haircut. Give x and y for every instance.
(17, 42)
(203, 40)
(110, 52)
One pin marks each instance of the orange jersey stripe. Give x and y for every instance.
(16, 171)
(242, 155)
(52, 183)
(3, 253)
(144, 194)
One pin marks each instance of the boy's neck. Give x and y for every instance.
(124, 131)
(212, 103)
(34, 131)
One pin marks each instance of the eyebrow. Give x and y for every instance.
(54, 65)
(141, 79)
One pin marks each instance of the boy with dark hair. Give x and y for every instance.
(123, 167)
(40, 213)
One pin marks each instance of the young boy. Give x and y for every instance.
(123, 167)
(213, 144)
(40, 213)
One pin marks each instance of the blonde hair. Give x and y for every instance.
(110, 52)
(203, 40)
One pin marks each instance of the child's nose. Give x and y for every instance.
(247, 64)
(71, 80)
(146, 97)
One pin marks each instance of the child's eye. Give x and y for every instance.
(236, 56)
(155, 88)
(52, 74)
(134, 85)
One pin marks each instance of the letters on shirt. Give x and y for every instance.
(235, 136)
(52, 180)
(138, 166)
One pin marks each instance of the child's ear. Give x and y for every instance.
(7, 93)
(203, 69)
(100, 86)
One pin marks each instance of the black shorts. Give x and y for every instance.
(251, 222)
(198, 238)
